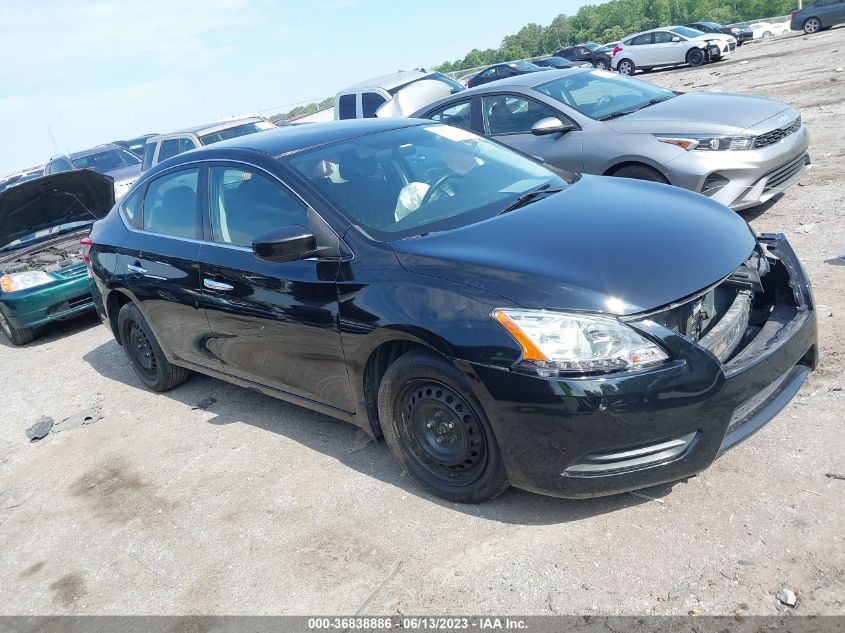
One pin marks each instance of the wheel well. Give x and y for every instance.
(380, 359)
(116, 300)
(631, 163)
(692, 50)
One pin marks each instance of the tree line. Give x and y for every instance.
(302, 110)
(612, 21)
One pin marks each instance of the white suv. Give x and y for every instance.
(670, 46)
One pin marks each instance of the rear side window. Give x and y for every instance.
(170, 206)
(640, 40)
(370, 102)
(149, 152)
(132, 208)
(346, 107)
(246, 203)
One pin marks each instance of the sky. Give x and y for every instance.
(83, 72)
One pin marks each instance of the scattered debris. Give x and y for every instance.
(742, 561)
(807, 228)
(678, 592)
(88, 416)
(743, 62)
(840, 69)
(40, 429)
(694, 612)
(379, 588)
(836, 261)
(646, 497)
(360, 441)
(787, 597)
(204, 404)
(835, 476)
(812, 492)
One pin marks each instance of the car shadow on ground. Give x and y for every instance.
(350, 446)
(56, 330)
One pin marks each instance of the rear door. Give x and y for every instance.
(160, 260)
(640, 50)
(274, 323)
(509, 117)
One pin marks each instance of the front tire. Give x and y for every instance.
(17, 336)
(812, 25)
(437, 430)
(640, 172)
(626, 67)
(145, 354)
(696, 57)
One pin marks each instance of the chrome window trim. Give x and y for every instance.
(207, 162)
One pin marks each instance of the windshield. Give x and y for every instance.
(421, 179)
(106, 161)
(686, 31)
(599, 94)
(39, 235)
(235, 131)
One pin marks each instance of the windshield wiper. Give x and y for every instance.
(650, 102)
(525, 198)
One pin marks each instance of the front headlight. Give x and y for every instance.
(564, 343)
(22, 281)
(736, 30)
(709, 143)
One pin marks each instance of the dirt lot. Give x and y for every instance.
(254, 506)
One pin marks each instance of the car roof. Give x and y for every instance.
(527, 80)
(293, 138)
(214, 126)
(390, 81)
(88, 152)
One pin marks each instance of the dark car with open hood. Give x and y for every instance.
(42, 273)
(495, 320)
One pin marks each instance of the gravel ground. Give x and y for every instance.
(255, 506)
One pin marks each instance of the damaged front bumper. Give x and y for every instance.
(598, 435)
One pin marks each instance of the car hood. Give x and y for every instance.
(45, 202)
(124, 174)
(701, 113)
(603, 244)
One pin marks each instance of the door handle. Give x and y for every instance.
(215, 285)
(132, 268)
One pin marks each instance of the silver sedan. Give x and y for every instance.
(741, 150)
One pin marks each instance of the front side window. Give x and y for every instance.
(370, 102)
(487, 74)
(504, 114)
(169, 149)
(686, 32)
(458, 114)
(420, 179)
(599, 94)
(663, 37)
(246, 203)
(107, 160)
(170, 206)
(149, 152)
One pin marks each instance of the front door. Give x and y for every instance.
(508, 118)
(274, 323)
(160, 263)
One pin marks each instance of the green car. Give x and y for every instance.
(43, 275)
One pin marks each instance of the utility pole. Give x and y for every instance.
(53, 138)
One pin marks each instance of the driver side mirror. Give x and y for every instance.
(284, 244)
(551, 125)
(676, 39)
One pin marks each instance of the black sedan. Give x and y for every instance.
(500, 71)
(496, 321)
(742, 33)
(596, 54)
(553, 62)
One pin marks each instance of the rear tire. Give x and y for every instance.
(16, 336)
(812, 26)
(600, 64)
(696, 57)
(145, 354)
(640, 172)
(436, 429)
(626, 67)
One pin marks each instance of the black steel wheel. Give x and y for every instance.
(437, 430)
(695, 57)
(145, 354)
